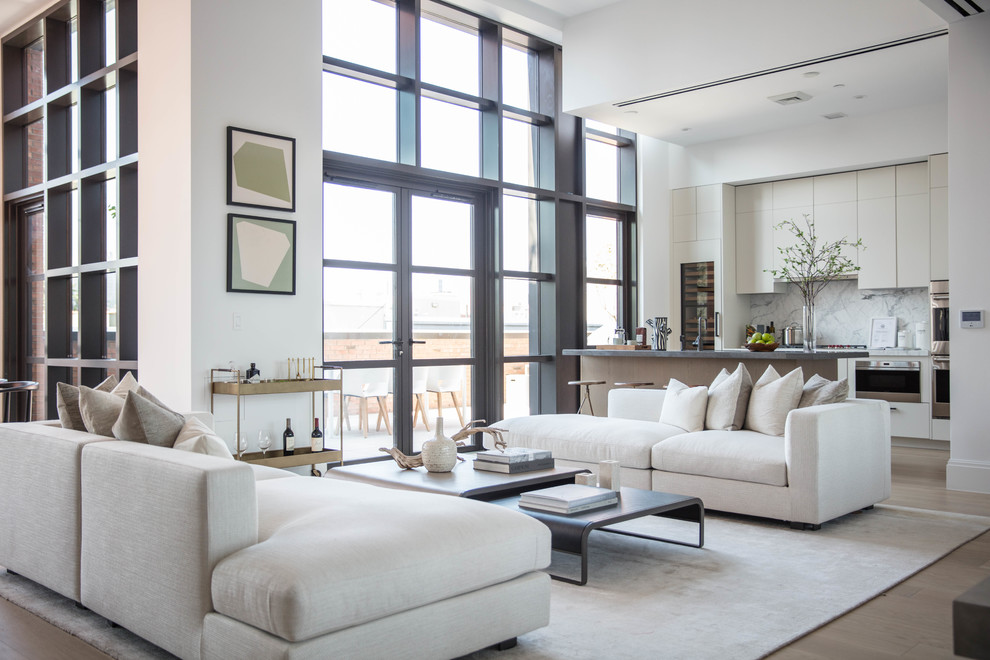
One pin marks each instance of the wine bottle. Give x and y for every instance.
(289, 438)
(316, 438)
(772, 329)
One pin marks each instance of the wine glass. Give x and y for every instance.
(264, 441)
(242, 443)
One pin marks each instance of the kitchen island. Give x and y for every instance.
(697, 367)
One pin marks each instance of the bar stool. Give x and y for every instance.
(587, 393)
(634, 384)
(7, 388)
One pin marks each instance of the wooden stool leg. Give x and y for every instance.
(457, 407)
(364, 416)
(383, 413)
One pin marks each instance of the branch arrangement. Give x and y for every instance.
(811, 263)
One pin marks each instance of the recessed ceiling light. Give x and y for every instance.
(840, 85)
(686, 129)
(632, 112)
(860, 96)
(810, 74)
(835, 115)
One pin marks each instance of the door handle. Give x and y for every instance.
(718, 324)
(416, 341)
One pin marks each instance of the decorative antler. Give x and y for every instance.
(403, 461)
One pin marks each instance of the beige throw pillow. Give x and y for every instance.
(67, 401)
(143, 420)
(684, 407)
(728, 398)
(195, 436)
(100, 410)
(773, 397)
(819, 391)
(127, 384)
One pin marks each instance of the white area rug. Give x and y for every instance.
(754, 587)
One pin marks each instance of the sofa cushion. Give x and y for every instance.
(728, 398)
(67, 401)
(195, 436)
(772, 398)
(739, 455)
(100, 410)
(684, 407)
(319, 566)
(820, 391)
(589, 439)
(147, 420)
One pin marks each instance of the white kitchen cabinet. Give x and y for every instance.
(834, 188)
(837, 221)
(912, 179)
(793, 192)
(877, 225)
(715, 240)
(913, 240)
(938, 168)
(878, 182)
(910, 420)
(754, 197)
(783, 237)
(940, 429)
(754, 251)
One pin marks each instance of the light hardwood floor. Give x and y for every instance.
(912, 620)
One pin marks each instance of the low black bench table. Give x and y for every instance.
(570, 532)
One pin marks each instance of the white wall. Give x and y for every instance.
(969, 236)
(840, 145)
(258, 68)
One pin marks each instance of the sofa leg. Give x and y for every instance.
(805, 526)
(80, 606)
(868, 508)
(505, 645)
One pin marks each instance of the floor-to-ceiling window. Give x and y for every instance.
(455, 207)
(70, 191)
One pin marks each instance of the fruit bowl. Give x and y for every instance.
(762, 347)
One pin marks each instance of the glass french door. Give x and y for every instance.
(401, 293)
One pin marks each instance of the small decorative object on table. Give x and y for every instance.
(410, 462)
(608, 475)
(440, 453)
(252, 372)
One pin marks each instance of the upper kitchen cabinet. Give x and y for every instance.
(835, 210)
(938, 169)
(703, 232)
(877, 223)
(894, 223)
(913, 226)
(754, 238)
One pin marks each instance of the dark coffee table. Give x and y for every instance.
(570, 532)
(463, 480)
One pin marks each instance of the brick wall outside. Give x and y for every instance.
(35, 134)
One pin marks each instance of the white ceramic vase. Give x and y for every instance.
(440, 453)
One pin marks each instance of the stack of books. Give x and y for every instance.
(513, 460)
(569, 498)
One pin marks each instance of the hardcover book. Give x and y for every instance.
(514, 455)
(587, 506)
(513, 468)
(567, 495)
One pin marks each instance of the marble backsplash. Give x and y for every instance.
(843, 311)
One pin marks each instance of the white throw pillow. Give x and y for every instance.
(197, 437)
(684, 407)
(99, 410)
(773, 397)
(728, 398)
(819, 391)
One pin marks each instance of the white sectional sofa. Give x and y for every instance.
(831, 460)
(212, 558)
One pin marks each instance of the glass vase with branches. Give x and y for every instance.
(811, 263)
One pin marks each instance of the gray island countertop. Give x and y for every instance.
(731, 354)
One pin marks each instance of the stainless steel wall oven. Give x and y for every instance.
(889, 380)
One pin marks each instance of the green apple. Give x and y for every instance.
(768, 338)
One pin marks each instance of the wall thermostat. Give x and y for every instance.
(971, 318)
